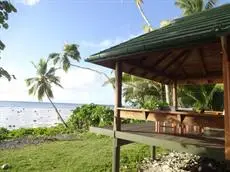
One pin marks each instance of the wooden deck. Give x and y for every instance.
(144, 133)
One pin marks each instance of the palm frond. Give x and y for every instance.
(29, 81)
(49, 92)
(211, 4)
(55, 80)
(4, 73)
(41, 91)
(71, 50)
(65, 63)
(139, 2)
(42, 67)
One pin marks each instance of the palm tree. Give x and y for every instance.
(41, 85)
(193, 6)
(68, 56)
(147, 27)
(200, 97)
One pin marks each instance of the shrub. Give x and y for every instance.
(41, 131)
(90, 115)
(3, 133)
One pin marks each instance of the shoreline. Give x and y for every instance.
(29, 117)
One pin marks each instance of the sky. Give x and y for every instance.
(41, 27)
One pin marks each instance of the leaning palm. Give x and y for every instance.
(41, 85)
(193, 6)
(68, 57)
(147, 27)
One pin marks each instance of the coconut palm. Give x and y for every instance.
(193, 6)
(69, 55)
(200, 97)
(41, 85)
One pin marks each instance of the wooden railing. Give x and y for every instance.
(180, 122)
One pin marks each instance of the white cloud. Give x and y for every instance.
(106, 43)
(77, 84)
(77, 78)
(31, 2)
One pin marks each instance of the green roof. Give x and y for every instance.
(195, 29)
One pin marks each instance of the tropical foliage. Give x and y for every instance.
(193, 6)
(5, 9)
(41, 85)
(90, 115)
(202, 97)
(68, 58)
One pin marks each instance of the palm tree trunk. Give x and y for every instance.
(143, 15)
(59, 115)
(101, 73)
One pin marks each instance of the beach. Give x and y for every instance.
(14, 115)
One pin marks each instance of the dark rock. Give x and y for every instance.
(5, 166)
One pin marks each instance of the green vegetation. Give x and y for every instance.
(194, 6)
(5, 9)
(41, 85)
(90, 115)
(90, 153)
(41, 131)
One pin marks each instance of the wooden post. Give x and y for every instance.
(117, 120)
(226, 78)
(163, 98)
(175, 95)
(153, 152)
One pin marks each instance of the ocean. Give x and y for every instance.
(14, 114)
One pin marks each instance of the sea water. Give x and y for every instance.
(14, 114)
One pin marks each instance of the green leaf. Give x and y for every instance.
(4, 73)
(2, 45)
(5, 25)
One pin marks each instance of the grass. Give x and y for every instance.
(90, 153)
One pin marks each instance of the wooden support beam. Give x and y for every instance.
(117, 119)
(175, 103)
(116, 155)
(225, 46)
(212, 77)
(161, 58)
(153, 152)
(201, 55)
(226, 77)
(118, 95)
(173, 60)
(147, 69)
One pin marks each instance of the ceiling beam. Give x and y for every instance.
(213, 77)
(147, 69)
(180, 64)
(201, 56)
(161, 58)
(173, 60)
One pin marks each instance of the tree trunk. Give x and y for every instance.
(93, 70)
(59, 115)
(143, 16)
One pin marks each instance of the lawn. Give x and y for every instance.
(89, 153)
